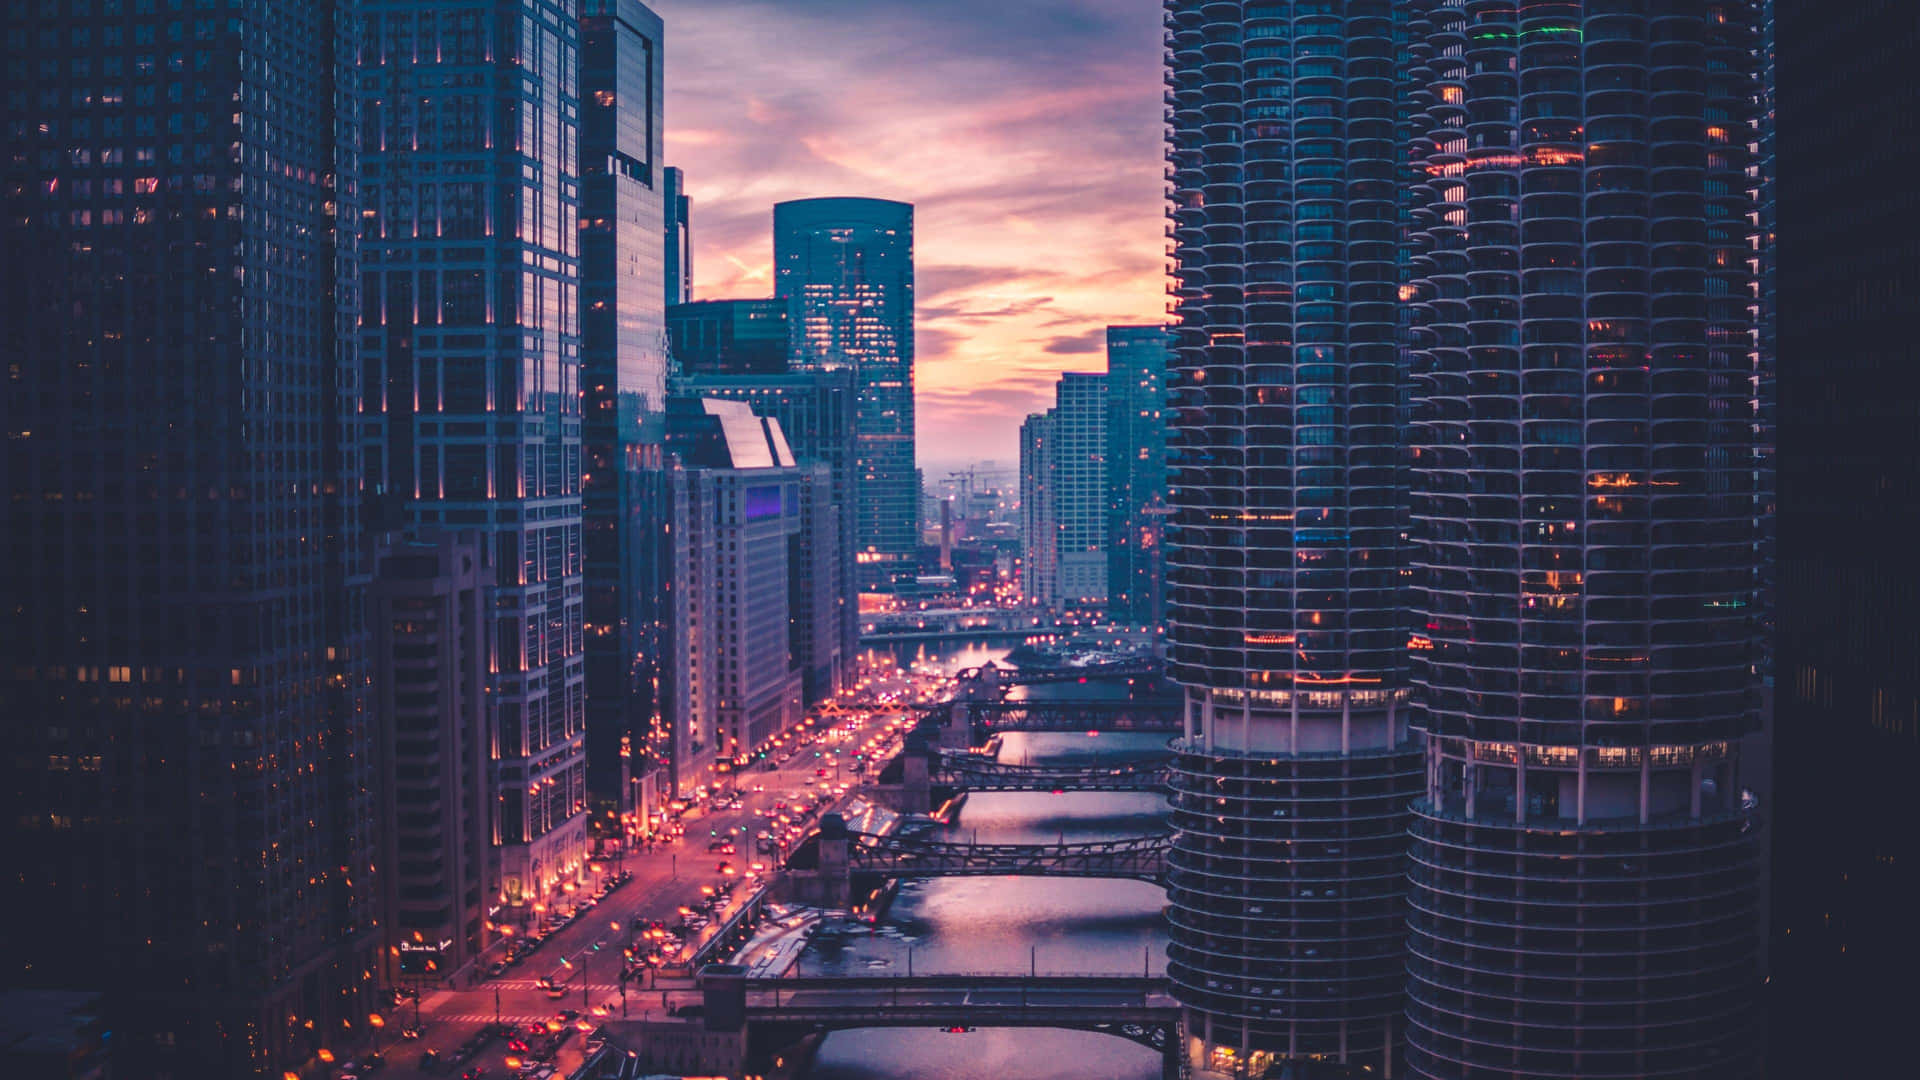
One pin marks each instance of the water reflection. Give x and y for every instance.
(1014, 924)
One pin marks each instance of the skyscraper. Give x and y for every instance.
(429, 620)
(739, 543)
(1847, 692)
(815, 411)
(1136, 469)
(1038, 567)
(679, 246)
(845, 267)
(730, 337)
(1065, 490)
(1584, 886)
(471, 396)
(1284, 561)
(623, 357)
(186, 737)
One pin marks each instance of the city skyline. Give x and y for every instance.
(1030, 186)
(1425, 645)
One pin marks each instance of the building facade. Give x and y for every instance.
(471, 392)
(740, 539)
(816, 413)
(187, 739)
(1846, 693)
(1080, 490)
(1585, 887)
(623, 196)
(730, 337)
(1064, 494)
(429, 620)
(1284, 562)
(845, 268)
(1038, 567)
(1136, 471)
(679, 239)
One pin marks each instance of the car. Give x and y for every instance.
(497, 969)
(474, 1072)
(430, 1061)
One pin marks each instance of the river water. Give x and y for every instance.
(1013, 924)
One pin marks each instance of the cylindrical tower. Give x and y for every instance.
(1584, 888)
(1285, 558)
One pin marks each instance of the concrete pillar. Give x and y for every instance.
(1520, 787)
(916, 790)
(1580, 789)
(1646, 786)
(836, 871)
(723, 992)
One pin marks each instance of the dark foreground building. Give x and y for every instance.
(472, 392)
(1585, 892)
(1284, 562)
(1846, 860)
(187, 803)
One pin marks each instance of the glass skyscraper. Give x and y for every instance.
(845, 266)
(1285, 553)
(471, 337)
(186, 727)
(624, 269)
(1136, 469)
(1585, 885)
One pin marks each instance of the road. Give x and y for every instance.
(664, 881)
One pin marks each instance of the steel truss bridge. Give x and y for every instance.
(1006, 676)
(985, 718)
(1131, 1007)
(1143, 858)
(976, 772)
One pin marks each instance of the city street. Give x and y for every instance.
(664, 881)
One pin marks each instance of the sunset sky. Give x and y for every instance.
(1026, 133)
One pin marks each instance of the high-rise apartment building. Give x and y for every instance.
(1136, 470)
(429, 620)
(471, 393)
(845, 267)
(186, 738)
(1038, 567)
(1284, 625)
(679, 239)
(623, 357)
(815, 411)
(1847, 689)
(1065, 495)
(730, 337)
(1585, 891)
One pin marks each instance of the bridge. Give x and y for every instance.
(1015, 624)
(1002, 624)
(1010, 676)
(1143, 858)
(985, 718)
(739, 1026)
(977, 772)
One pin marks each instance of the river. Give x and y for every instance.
(1013, 924)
